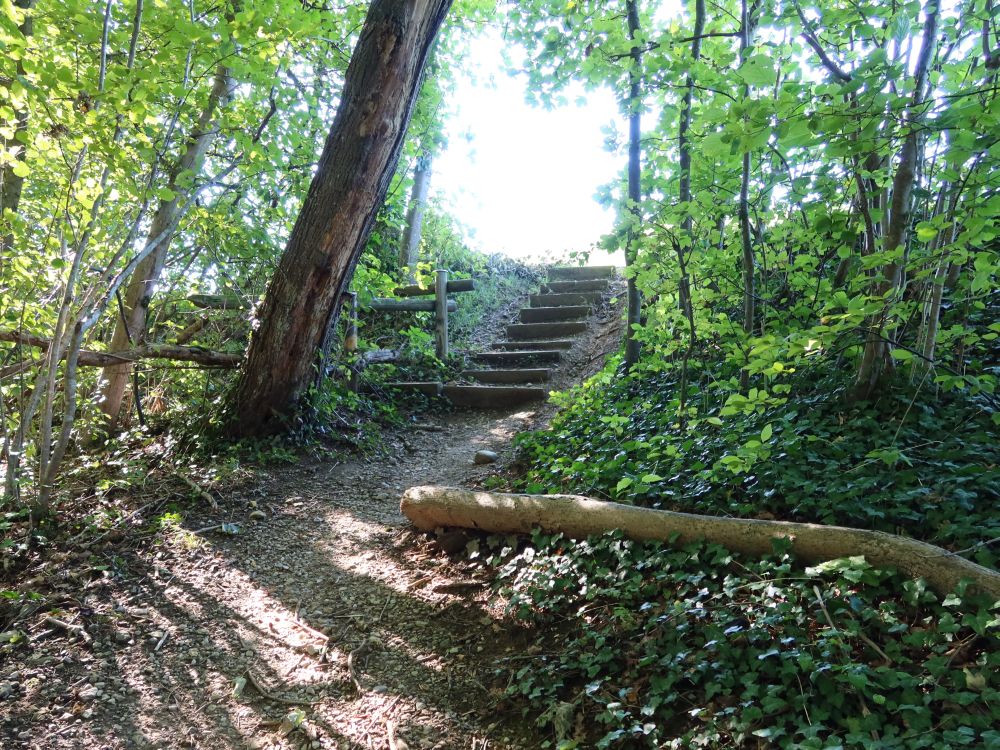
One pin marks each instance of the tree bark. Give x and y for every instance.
(130, 328)
(579, 517)
(634, 296)
(409, 249)
(353, 175)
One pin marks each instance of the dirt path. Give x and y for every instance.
(323, 623)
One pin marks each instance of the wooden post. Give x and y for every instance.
(351, 339)
(441, 312)
(351, 332)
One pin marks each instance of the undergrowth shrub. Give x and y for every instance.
(915, 462)
(644, 645)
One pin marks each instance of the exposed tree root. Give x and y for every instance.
(576, 516)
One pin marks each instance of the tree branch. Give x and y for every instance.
(88, 358)
(813, 42)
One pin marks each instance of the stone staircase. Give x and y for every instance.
(511, 373)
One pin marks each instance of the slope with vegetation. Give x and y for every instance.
(815, 262)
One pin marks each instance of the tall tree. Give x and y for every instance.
(684, 245)
(634, 296)
(875, 360)
(409, 247)
(747, 22)
(349, 186)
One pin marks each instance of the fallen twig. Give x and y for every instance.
(314, 633)
(197, 489)
(163, 639)
(77, 630)
(395, 743)
(352, 661)
(272, 697)
(822, 604)
(874, 646)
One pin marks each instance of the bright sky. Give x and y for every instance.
(522, 179)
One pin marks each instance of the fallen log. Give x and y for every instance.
(579, 517)
(89, 358)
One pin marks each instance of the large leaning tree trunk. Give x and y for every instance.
(351, 181)
(579, 517)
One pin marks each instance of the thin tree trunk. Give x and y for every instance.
(684, 196)
(130, 329)
(746, 244)
(352, 177)
(634, 296)
(10, 182)
(684, 149)
(875, 359)
(409, 248)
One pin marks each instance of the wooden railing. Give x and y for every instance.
(440, 306)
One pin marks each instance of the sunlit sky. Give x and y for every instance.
(522, 179)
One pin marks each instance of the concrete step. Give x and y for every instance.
(579, 273)
(551, 314)
(522, 345)
(564, 300)
(493, 396)
(519, 331)
(533, 375)
(507, 359)
(574, 287)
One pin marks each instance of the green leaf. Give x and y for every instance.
(766, 433)
(758, 71)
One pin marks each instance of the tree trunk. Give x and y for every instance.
(747, 24)
(684, 159)
(579, 517)
(684, 197)
(409, 249)
(11, 183)
(350, 184)
(634, 296)
(130, 328)
(875, 361)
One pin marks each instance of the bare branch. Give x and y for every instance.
(813, 42)
(208, 357)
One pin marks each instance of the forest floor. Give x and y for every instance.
(325, 622)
